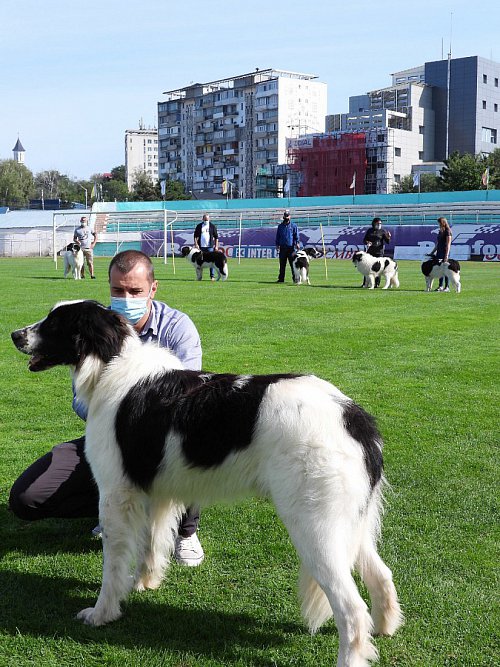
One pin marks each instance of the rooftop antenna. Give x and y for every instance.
(448, 78)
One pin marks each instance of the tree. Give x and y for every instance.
(175, 190)
(428, 183)
(143, 188)
(16, 184)
(118, 173)
(462, 172)
(115, 190)
(493, 162)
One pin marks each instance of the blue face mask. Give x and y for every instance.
(132, 309)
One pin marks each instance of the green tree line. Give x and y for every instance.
(18, 185)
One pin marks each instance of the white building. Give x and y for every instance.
(141, 154)
(18, 152)
(235, 129)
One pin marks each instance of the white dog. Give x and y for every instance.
(371, 267)
(436, 268)
(160, 438)
(73, 260)
(206, 259)
(300, 264)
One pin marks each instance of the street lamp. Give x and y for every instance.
(86, 195)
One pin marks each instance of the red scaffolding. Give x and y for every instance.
(328, 166)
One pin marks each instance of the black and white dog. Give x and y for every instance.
(371, 267)
(436, 268)
(206, 259)
(73, 260)
(300, 264)
(160, 438)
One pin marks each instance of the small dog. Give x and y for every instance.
(73, 260)
(206, 259)
(300, 264)
(371, 267)
(437, 268)
(295, 439)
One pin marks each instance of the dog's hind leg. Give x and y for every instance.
(386, 612)
(327, 548)
(122, 514)
(156, 544)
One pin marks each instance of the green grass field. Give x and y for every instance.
(426, 365)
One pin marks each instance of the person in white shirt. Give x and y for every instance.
(206, 237)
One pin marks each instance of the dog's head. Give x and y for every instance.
(313, 252)
(73, 247)
(185, 250)
(357, 257)
(72, 332)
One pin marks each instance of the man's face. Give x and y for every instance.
(83, 222)
(135, 284)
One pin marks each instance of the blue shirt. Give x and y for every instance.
(287, 234)
(169, 328)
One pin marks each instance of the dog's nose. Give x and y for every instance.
(19, 338)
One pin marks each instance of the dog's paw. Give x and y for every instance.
(91, 616)
(145, 583)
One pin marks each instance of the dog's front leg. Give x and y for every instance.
(120, 515)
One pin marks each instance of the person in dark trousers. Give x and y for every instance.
(375, 240)
(287, 241)
(442, 250)
(60, 483)
(206, 237)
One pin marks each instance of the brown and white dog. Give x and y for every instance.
(73, 260)
(210, 437)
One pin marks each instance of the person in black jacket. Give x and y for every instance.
(375, 239)
(206, 237)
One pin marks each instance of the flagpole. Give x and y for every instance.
(324, 249)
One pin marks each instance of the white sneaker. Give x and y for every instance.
(188, 551)
(439, 289)
(446, 289)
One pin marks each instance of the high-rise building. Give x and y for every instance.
(141, 154)
(234, 130)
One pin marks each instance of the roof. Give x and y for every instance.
(37, 219)
(19, 147)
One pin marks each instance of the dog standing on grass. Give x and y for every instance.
(206, 259)
(73, 260)
(371, 267)
(300, 264)
(159, 438)
(437, 268)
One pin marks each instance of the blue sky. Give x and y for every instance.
(75, 75)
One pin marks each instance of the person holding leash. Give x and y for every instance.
(287, 241)
(60, 483)
(206, 238)
(375, 239)
(87, 240)
(442, 250)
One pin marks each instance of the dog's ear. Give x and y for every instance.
(101, 331)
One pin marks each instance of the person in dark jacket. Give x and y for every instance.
(206, 238)
(442, 249)
(287, 241)
(375, 239)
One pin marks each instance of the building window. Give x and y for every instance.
(397, 152)
(420, 129)
(489, 135)
(485, 78)
(397, 178)
(420, 155)
(484, 104)
(496, 82)
(495, 107)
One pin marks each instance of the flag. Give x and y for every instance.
(353, 184)
(224, 186)
(416, 179)
(286, 187)
(486, 177)
(163, 187)
(94, 192)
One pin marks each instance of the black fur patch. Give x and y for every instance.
(301, 262)
(428, 265)
(213, 415)
(356, 257)
(362, 427)
(454, 265)
(376, 266)
(386, 263)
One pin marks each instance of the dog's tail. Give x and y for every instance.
(315, 607)
(395, 277)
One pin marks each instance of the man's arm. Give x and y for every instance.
(197, 236)
(94, 234)
(216, 237)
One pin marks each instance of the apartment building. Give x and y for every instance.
(141, 153)
(234, 130)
